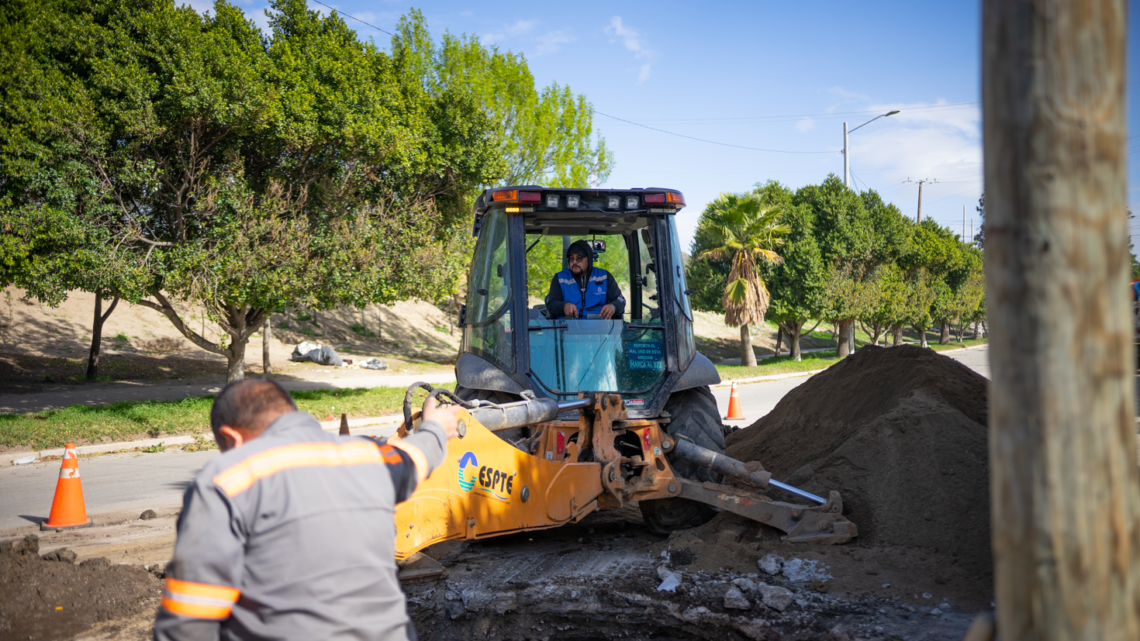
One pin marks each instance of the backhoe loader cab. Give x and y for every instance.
(514, 347)
(511, 342)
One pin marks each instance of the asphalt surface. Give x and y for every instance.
(119, 482)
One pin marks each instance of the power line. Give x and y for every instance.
(354, 18)
(835, 114)
(600, 113)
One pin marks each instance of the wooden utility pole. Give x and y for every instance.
(918, 218)
(1064, 483)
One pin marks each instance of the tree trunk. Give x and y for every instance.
(747, 356)
(266, 338)
(779, 338)
(876, 332)
(921, 336)
(1065, 491)
(896, 335)
(97, 334)
(843, 341)
(794, 339)
(944, 335)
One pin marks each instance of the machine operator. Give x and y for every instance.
(584, 291)
(290, 532)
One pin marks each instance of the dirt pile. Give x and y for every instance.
(50, 597)
(901, 433)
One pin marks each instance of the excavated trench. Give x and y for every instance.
(599, 579)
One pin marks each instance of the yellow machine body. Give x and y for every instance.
(486, 487)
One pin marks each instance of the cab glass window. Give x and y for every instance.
(488, 329)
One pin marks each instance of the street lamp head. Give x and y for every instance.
(891, 113)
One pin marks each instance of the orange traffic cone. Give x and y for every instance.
(67, 509)
(734, 411)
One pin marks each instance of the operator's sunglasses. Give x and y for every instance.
(575, 258)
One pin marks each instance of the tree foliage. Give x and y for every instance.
(192, 157)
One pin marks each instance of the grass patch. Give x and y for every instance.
(362, 330)
(811, 361)
(779, 365)
(129, 420)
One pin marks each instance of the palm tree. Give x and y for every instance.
(748, 230)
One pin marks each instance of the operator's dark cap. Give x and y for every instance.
(582, 248)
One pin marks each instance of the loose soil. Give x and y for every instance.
(57, 599)
(901, 433)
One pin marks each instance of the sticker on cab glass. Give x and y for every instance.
(645, 355)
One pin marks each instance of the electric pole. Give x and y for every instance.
(918, 218)
(963, 223)
(846, 159)
(1065, 495)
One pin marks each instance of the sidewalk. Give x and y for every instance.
(104, 393)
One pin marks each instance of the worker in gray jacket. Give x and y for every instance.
(290, 532)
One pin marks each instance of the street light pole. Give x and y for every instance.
(847, 150)
(846, 159)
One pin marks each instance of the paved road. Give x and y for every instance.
(156, 481)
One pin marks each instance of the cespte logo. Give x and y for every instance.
(467, 480)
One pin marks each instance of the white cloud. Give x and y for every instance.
(923, 141)
(632, 40)
(519, 28)
(551, 42)
(805, 124)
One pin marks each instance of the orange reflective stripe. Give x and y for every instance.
(196, 610)
(391, 456)
(242, 476)
(198, 600)
(417, 457)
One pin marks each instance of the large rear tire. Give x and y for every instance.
(694, 415)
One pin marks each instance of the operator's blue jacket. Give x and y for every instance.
(292, 536)
(595, 286)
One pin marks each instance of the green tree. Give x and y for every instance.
(242, 171)
(846, 238)
(744, 230)
(798, 284)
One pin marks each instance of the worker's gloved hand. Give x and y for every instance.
(608, 312)
(570, 310)
(446, 416)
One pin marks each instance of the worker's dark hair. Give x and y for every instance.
(250, 404)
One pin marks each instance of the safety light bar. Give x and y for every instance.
(506, 194)
(572, 201)
(631, 202)
(530, 197)
(653, 199)
(516, 196)
(552, 200)
(675, 198)
(613, 202)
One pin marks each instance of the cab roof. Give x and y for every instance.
(560, 212)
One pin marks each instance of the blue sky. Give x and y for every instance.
(777, 76)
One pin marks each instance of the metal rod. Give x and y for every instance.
(797, 491)
(574, 405)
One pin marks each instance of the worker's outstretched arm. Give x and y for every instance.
(423, 451)
(202, 579)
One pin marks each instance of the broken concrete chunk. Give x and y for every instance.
(669, 580)
(734, 600)
(746, 585)
(805, 570)
(771, 564)
(148, 515)
(774, 596)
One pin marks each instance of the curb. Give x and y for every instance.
(780, 377)
(354, 424)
